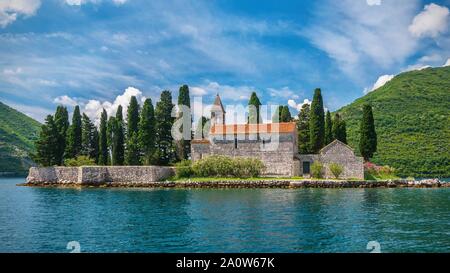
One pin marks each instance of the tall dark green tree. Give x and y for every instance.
(62, 124)
(184, 101)
(254, 116)
(73, 142)
(47, 144)
(276, 118)
(328, 129)
(146, 135)
(118, 139)
(368, 138)
(202, 128)
(89, 138)
(317, 123)
(132, 156)
(164, 121)
(285, 114)
(339, 129)
(303, 129)
(103, 140)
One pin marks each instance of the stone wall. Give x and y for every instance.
(339, 153)
(92, 175)
(277, 155)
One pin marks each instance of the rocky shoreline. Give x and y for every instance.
(428, 183)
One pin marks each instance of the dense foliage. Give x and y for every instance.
(224, 166)
(146, 133)
(133, 154)
(328, 128)
(164, 142)
(184, 145)
(412, 121)
(339, 129)
(254, 115)
(368, 136)
(303, 129)
(317, 123)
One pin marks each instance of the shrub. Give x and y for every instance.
(383, 172)
(183, 169)
(317, 170)
(81, 160)
(224, 166)
(336, 169)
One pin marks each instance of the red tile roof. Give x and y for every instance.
(231, 129)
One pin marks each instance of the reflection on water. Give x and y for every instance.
(214, 220)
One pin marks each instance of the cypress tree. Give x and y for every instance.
(368, 137)
(164, 122)
(339, 129)
(62, 124)
(285, 114)
(110, 129)
(73, 143)
(328, 129)
(47, 144)
(252, 116)
(118, 138)
(146, 133)
(317, 123)
(201, 128)
(276, 118)
(303, 129)
(184, 145)
(89, 138)
(103, 140)
(132, 151)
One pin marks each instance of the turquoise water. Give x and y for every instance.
(212, 220)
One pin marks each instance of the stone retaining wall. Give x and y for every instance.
(97, 175)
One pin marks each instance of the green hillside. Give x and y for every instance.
(17, 135)
(412, 120)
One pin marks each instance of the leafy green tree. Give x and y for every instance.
(317, 123)
(254, 112)
(89, 138)
(276, 118)
(368, 137)
(133, 153)
(117, 138)
(132, 116)
(184, 145)
(164, 121)
(202, 128)
(285, 114)
(47, 144)
(73, 142)
(328, 129)
(62, 124)
(339, 129)
(103, 139)
(146, 135)
(303, 129)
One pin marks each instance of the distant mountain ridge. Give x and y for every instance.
(17, 135)
(412, 120)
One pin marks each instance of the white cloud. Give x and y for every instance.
(81, 2)
(382, 80)
(298, 106)
(358, 36)
(226, 92)
(431, 22)
(415, 67)
(65, 100)
(284, 92)
(11, 9)
(94, 108)
(447, 63)
(373, 2)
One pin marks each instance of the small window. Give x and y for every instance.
(235, 143)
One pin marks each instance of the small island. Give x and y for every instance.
(222, 155)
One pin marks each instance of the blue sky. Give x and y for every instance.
(98, 53)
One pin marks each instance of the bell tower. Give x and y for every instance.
(217, 112)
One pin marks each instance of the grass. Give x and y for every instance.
(368, 176)
(214, 179)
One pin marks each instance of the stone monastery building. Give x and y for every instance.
(275, 144)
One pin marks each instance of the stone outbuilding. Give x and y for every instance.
(275, 144)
